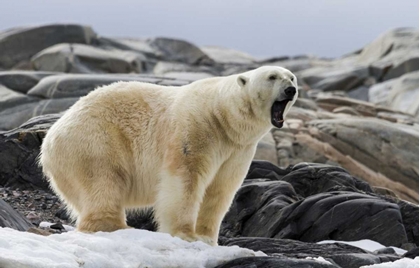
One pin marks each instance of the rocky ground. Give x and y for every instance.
(343, 167)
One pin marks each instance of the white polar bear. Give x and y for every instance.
(183, 150)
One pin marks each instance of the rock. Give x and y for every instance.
(294, 65)
(142, 220)
(392, 54)
(360, 93)
(290, 248)
(410, 217)
(77, 85)
(12, 219)
(412, 253)
(142, 46)
(80, 58)
(342, 255)
(387, 153)
(20, 44)
(266, 149)
(163, 67)
(10, 98)
(399, 94)
(228, 56)
(332, 78)
(275, 262)
(311, 203)
(15, 116)
(180, 51)
(19, 149)
(22, 81)
(188, 76)
(38, 231)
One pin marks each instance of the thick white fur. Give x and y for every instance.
(183, 150)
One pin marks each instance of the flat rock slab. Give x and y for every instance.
(20, 44)
(77, 85)
(12, 219)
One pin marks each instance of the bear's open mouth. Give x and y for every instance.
(277, 111)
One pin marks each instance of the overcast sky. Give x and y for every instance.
(264, 28)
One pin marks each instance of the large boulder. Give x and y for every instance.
(14, 116)
(392, 54)
(19, 149)
(401, 93)
(311, 203)
(22, 81)
(180, 51)
(77, 85)
(10, 98)
(12, 219)
(343, 79)
(80, 58)
(228, 56)
(389, 151)
(20, 44)
(338, 254)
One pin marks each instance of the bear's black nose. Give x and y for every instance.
(290, 92)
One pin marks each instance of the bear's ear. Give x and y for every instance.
(242, 80)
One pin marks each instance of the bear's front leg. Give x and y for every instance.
(220, 193)
(178, 203)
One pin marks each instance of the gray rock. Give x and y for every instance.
(392, 54)
(10, 98)
(399, 94)
(360, 93)
(342, 255)
(180, 51)
(10, 218)
(77, 85)
(266, 149)
(388, 148)
(228, 56)
(188, 76)
(79, 58)
(15, 116)
(19, 149)
(311, 203)
(22, 81)
(335, 77)
(20, 44)
(275, 262)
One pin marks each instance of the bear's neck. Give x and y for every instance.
(238, 116)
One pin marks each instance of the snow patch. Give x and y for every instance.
(122, 248)
(318, 259)
(402, 263)
(365, 244)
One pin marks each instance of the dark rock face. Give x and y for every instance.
(273, 262)
(338, 254)
(19, 149)
(179, 50)
(12, 219)
(20, 44)
(310, 202)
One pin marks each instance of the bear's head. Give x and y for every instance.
(272, 90)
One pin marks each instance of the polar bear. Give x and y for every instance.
(182, 150)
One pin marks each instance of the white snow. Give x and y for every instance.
(365, 244)
(123, 248)
(402, 263)
(45, 224)
(318, 259)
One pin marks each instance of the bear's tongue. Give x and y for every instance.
(277, 113)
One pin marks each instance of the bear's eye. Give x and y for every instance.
(272, 77)
(291, 79)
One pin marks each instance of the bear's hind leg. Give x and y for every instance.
(103, 208)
